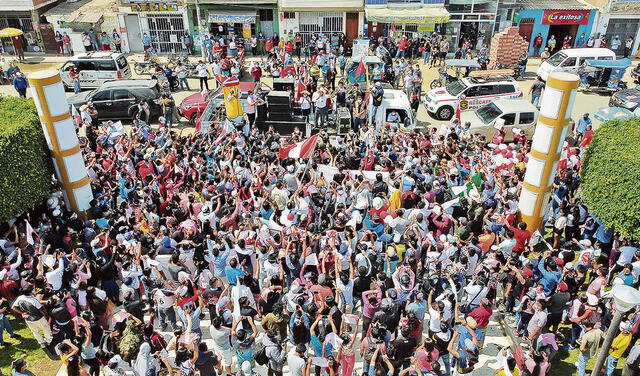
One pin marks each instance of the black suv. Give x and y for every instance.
(119, 99)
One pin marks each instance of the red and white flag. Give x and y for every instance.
(361, 69)
(302, 149)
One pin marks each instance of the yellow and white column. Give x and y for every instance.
(552, 129)
(60, 133)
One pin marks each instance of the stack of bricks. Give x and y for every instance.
(506, 48)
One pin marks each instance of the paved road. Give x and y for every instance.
(583, 103)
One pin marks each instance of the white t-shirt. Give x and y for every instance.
(203, 71)
(626, 255)
(347, 290)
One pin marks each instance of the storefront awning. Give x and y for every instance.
(420, 16)
(232, 16)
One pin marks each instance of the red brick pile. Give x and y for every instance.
(506, 48)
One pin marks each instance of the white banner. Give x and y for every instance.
(328, 173)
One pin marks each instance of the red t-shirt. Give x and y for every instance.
(481, 315)
(521, 237)
(403, 44)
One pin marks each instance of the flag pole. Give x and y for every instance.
(366, 71)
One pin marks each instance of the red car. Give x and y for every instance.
(193, 106)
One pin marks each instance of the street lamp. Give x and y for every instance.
(625, 298)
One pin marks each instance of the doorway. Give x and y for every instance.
(133, 33)
(560, 32)
(468, 31)
(351, 27)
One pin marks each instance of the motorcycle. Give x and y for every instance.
(145, 67)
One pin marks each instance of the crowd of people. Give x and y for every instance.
(387, 252)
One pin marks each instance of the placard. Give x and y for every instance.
(360, 48)
(246, 30)
(498, 124)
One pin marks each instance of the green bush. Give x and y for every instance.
(25, 165)
(611, 176)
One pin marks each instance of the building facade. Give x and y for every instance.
(619, 18)
(28, 16)
(242, 18)
(164, 21)
(321, 16)
(575, 23)
(405, 17)
(76, 17)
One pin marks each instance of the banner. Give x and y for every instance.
(565, 17)
(624, 6)
(328, 172)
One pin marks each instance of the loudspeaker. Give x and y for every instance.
(279, 107)
(283, 84)
(278, 97)
(279, 116)
(261, 112)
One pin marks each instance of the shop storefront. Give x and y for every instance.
(243, 20)
(621, 19)
(38, 35)
(165, 22)
(329, 17)
(559, 23)
(411, 20)
(472, 21)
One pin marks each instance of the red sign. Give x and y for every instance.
(565, 17)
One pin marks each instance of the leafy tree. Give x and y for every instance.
(25, 165)
(611, 176)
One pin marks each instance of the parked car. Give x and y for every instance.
(119, 99)
(96, 68)
(193, 106)
(629, 99)
(505, 114)
(469, 93)
(569, 60)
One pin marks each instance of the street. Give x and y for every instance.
(585, 102)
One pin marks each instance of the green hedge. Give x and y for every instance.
(611, 176)
(25, 165)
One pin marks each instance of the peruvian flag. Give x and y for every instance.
(392, 31)
(302, 149)
(302, 86)
(361, 68)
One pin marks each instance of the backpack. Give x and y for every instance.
(260, 354)
(131, 340)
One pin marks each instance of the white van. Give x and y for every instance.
(96, 69)
(569, 60)
(393, 100)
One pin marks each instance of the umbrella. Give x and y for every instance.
(612, 113)
(10, 32)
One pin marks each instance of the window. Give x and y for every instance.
(102, 96)
(570, 62)
(526, 118)
(122, 62)
(509, 119)
(472, 92)
(505, 89)
(106, 65)
(289, 15)
(265, 14)
(121, 94)
(488, 89)
(85, 65)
